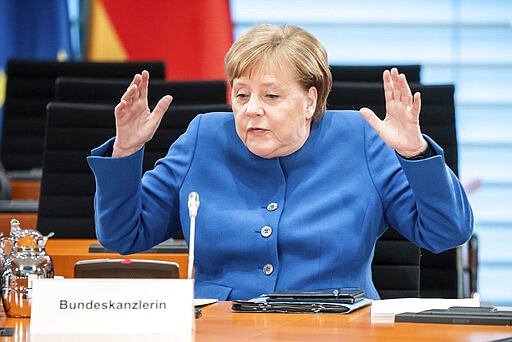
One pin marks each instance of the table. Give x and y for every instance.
(218, 323)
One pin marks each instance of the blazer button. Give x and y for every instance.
(268, 269)
(272, 206)
(266, 231)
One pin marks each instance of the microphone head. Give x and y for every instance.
(193, 197)
(193, 203)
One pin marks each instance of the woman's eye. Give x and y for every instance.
(272, 96)
(241, 96)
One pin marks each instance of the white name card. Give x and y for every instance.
(161, 307)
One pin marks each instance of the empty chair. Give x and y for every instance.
(372, 73)
(67, 184)
(30, 86)
(126, 268)
(109, 91)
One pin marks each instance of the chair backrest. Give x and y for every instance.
(109, 91)
(440, 273)
(396, 266)
(372, 73)
(126, 268)
(67, 183)
(31, 85)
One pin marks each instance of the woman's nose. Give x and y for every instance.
(254, 107)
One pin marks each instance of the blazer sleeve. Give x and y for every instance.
(422, 199)
(134, 212)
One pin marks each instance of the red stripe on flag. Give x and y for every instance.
(192, 37)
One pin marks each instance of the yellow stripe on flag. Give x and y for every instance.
(104, 42)
(3, 84)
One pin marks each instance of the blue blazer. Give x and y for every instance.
(307, 221)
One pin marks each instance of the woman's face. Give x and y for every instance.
(273, 112)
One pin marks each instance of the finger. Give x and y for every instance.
(405, 91)
(129, 93)
(395, 82)
(136, 80)
(388, 88)
(143, 88)
(372, 119)
(120, 110)
(120, 107)
(394, 73)
(161, 107)
(416, 104)
(132, 89)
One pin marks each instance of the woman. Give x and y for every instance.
(292, 196)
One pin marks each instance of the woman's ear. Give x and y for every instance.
(311, 102)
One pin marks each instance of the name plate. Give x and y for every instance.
(113, 306)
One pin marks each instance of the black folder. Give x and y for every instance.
(344, 296)
(318, 301)
(459, 315)
(258, 305)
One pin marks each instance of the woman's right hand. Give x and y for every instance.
(135, 123)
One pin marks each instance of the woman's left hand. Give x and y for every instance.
(400, 129)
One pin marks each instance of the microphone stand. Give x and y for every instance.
(193, 205)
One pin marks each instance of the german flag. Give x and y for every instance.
(192, 37)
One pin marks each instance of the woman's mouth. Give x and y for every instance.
(257, 130)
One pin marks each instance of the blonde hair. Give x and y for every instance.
(283, 47)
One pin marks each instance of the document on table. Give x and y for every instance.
(204, 301)
(385, 310)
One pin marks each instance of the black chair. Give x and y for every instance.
(469, 257)
(440, 273)
(396, 266)
(109, 91)
(30, 86)
(126, 268)
(67, 184)
(372, 73)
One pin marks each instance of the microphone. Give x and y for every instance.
(193, 205)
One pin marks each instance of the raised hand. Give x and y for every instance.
(400, 129)
(135, 123)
